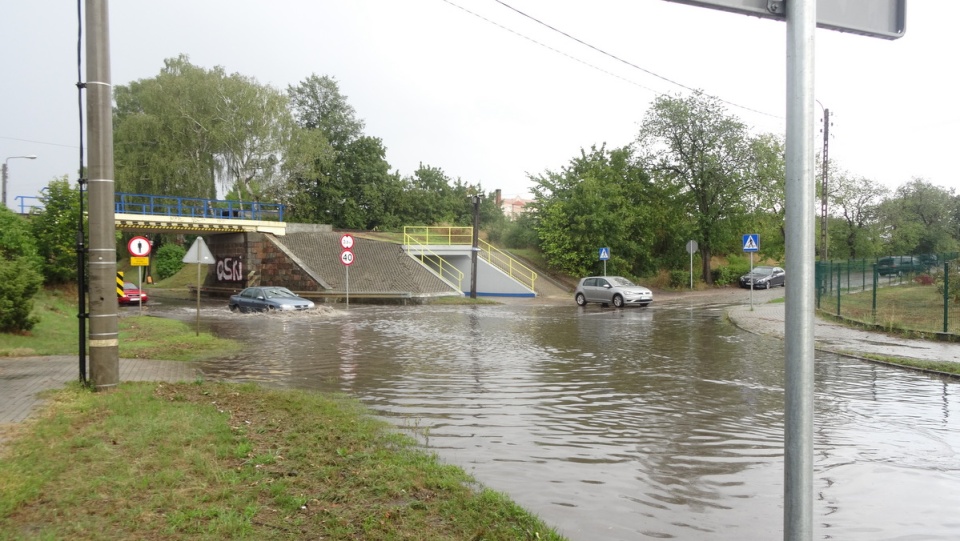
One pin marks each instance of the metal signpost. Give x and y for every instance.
(347, 258)
(604, 256)
(691, 249)
(199, 254)
(876, 18)
(751, 244)
(139, 248)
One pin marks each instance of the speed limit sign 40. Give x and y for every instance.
(346, 257)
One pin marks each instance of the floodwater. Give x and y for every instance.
(656, 423)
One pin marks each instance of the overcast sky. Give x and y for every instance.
(491, 96)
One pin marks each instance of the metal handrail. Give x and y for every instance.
(439, 235)
(196, 207)
(503, 261)
(435, 262)
(463, 236)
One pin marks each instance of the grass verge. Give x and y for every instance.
(143, 337)
(909, 309)
(215, 461)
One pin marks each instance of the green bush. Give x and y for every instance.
(20, 280)
(169, 260)
(729, 274)
(679, 279)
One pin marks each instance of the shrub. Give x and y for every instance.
(169, 260)
(20, 280)
(729, 274)
(679, 279)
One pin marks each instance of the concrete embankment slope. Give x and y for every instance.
(379, 268)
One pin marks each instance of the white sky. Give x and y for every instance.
(481, 100)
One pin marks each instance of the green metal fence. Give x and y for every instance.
(912, 293)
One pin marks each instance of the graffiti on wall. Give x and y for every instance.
(229, 269)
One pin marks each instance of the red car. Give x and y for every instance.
(132, 295)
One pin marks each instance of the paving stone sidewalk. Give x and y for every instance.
(768, 319)
(23, 378)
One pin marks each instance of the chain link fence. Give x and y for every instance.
(919, 293)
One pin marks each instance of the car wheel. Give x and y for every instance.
(581, 300)
(618, 301)
(233, 307)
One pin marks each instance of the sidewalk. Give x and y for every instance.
(23, 378)
(768, 319)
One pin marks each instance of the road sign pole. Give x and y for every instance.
(799, 323)
(347, 270)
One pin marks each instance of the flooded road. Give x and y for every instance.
(657, 423)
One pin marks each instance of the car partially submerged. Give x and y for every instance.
(615, 290)
(764, 277)
(268, 299)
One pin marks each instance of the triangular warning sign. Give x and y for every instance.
(198, 253)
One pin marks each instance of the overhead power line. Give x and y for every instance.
(601, 51)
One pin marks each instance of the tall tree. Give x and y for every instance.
(694, 145)
(55, 230)
(765, 183)
(601, 199)
(318, 105)
(855, 202)
(919, 219)
(187, 128)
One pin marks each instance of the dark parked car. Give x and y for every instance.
(268, 298)
(899, 264)
(615, 290)
(132, 295)
(764, 277)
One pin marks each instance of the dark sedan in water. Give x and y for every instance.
(764, 277)
(268, 298)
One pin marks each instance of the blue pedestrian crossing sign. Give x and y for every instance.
(751, 242)
(604, 254)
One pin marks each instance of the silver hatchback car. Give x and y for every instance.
(615, 290)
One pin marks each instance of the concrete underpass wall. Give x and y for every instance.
(248, 259)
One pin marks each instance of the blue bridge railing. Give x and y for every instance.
(196, 207)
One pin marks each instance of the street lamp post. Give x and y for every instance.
(5, 167)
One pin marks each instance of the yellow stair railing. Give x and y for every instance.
(459, 236)
(433, 261)
(513, 268)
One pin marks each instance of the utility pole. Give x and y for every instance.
(476, 247)
(104, 335)
(823, 189)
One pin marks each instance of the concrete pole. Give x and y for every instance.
(474, 252)
(824, 240)
(800, 256)
(104, 343)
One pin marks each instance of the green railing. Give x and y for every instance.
(907, 293)
(463, 236)
(433, 261)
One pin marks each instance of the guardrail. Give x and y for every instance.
(434, 262)
(503, 261)
(463, 236)
(439, 235)
(196, 207)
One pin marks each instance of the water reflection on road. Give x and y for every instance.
(664, 422)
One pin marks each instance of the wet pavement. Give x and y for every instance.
(628, 424)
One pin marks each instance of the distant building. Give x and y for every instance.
(512, 206)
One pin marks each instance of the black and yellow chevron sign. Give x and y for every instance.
(119, 284)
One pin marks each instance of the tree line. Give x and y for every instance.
(196, 132)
